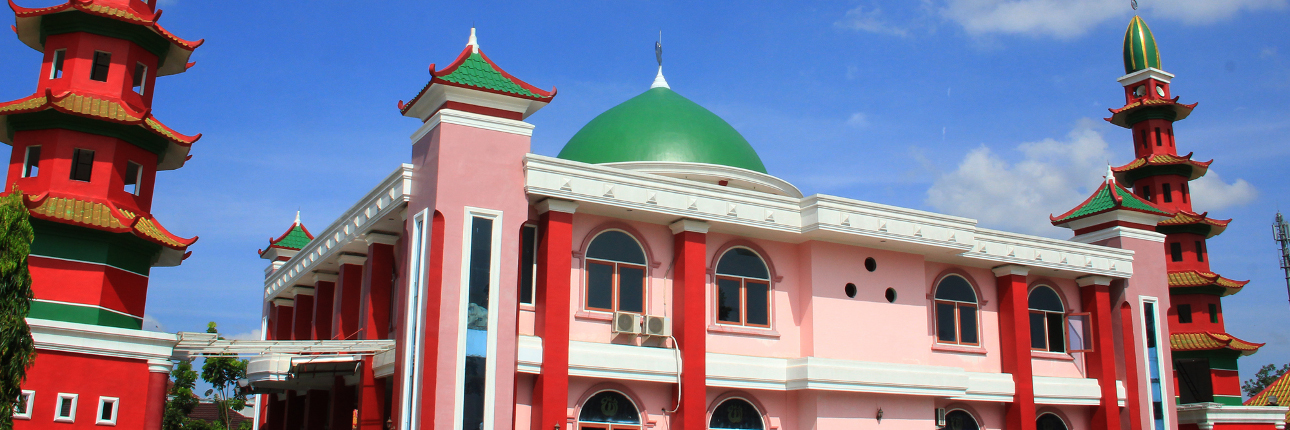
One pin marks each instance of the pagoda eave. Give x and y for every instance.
(1161, 164)
(1197, 282)
(1211, 341)
(103, 216)
(1191, 222)
(1135, 112)
(175, 57)
(494, 80)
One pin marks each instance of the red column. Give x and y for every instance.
(316, 417)
(277, 412)
(552, 295)
(324, 301)
(430, 344)
(689, 298)
(284, 319)
(377, 278)
(158, 379)
(295, 411)
(1014, 338)
(1096, 294)
(303, 322)
(348, 295)
(342, 405)
(1134, 403)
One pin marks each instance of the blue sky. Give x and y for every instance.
(983, 108)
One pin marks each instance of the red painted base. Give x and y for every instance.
(90, 378)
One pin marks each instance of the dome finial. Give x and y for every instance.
(1110, 175)
(659, 81)
(473, 43)
(1139, 47)
(297, 216)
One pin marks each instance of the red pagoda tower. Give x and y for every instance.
(86, 149)
(1204, 354)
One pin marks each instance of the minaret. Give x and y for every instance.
(1204, 354)
(86, 149)
(285, 246)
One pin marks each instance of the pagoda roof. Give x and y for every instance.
(294, 239)
(105, 216)
(472, 69)
(1279, 388)
(1157, 164)
(1179, 111)
(175, 58)
(1187, 221)
(101, 108)
(1204, 282)
(1210, 341)
(1109, 197)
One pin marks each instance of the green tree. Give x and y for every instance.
(17, 350)
(223, 373)
(1262, 379)
(180, 399)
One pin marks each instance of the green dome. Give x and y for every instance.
(660, 125)
(1139, 47)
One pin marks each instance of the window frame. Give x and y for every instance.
(1200, 251)
(56, 63)
(1180, 311)
(138, 80)
(94, 66)
(58, 408)
(743, 291)
(592, 425)
(103, 400)
(1166, 192)
(76, 161)
(138, 178)
(27, 165)
(958, 313)
(1175, 252)
(533, 268)
(717, 405)
(25, 414)
(615, 276)
(1047, 316)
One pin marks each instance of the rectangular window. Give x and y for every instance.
(102, 61)
(1184, 314)
(1200, 251)
(1078, 326)
(31, 162)
(82, 164)
(528, 262)
(1155, 359)
(1183, 190)
(65, 411)
(479, 338)
(22, 409)
(1213, 313)
(1158, 141)
(1175, 251)
(140, 77)
(1171, 137)
(1146, 192)
(415, 324)
(60, 56)
(1166, 192)
(107, 411)
(133, 175)
(1146, 144)
(1195, 385)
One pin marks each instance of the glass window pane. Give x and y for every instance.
(758, 309)
(735, 414)
(955, 288)
(631, 289)
(609, 407)
(967, 324)
(959, 420)
(728, 301)
(1038, 333)
(1045, 299)
(600, 286)
(945, 328)
(1056, 332)
(528, 262)
(614, 245)
(1049, 422)
(742, 262)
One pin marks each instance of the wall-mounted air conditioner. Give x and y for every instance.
(626, 323)
(658, 326)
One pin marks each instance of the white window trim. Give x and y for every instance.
(103, 401)
(534, 268)
(494, 297)
(26, 162)
(415, 314)
(58, 406)
(53, 65)
(25, 414)
(143, 80)
(138, 177)
(1161, 342)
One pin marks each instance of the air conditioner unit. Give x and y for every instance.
(627, 323)
(658, 326)
(940, 417)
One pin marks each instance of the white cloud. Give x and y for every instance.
(251, 335)
(858, 119)
(870, 20)
(150, 323)
(1054, 176)
(1066, 19)
(1268, 52)
(1211, 193)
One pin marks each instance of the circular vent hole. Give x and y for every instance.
(850, 290)
(870, 264)
(891, 295)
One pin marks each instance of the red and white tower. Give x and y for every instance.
(86, 149)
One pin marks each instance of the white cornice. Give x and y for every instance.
(381, 238)
(1085, 281)
(689, 225)
(1114, 232)
(556, 205)
(469, 119)
(1207, 415)
(1141, 75)
(99, 340)
(1010, 269)
(438, 94)
(712, 174)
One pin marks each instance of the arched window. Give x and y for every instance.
(959, 419)
(743, 289)
(1047, 320)
(956, 306)
(615, 273)
(609, 410)
(736, 414)
(1050, 421)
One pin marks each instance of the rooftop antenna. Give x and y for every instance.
(659, 82)
(1281, 233)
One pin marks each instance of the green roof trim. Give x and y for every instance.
(295, 238)
(661, 125)
(477, 72)
(1139, 47)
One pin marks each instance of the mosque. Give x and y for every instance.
(651, 276)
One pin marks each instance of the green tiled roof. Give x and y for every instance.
(477, 72)
(296, 238)
(1109, 196)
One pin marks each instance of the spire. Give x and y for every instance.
(473, 43)
(659, 81)
(1110, 178)
(1139, 47)
(297, 217)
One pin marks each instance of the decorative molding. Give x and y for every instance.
(1207, 415)
(557, 205)
(102, 341)
(1141, 75)
(351, 258)
(321, 276)
(1010, 269)
(712, 173)
(302, 290)
(689, 225)
(160, 366)
(469, 119)
(1085, 281)
(381, 238)
(1114, 232)
(282, 301)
